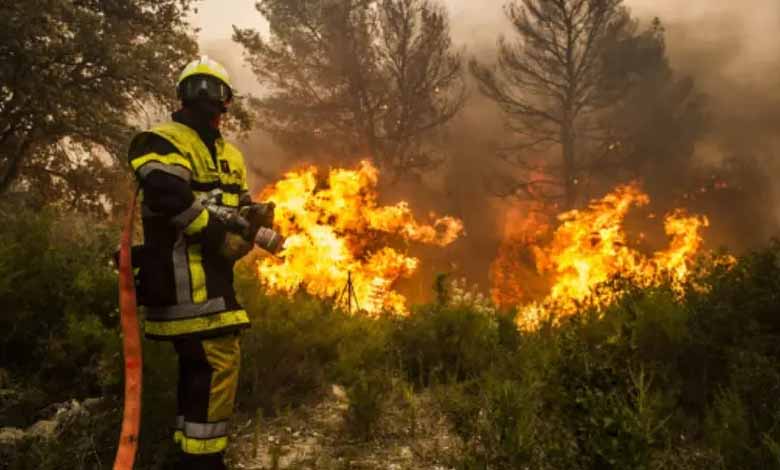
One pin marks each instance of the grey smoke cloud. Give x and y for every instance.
(730, 48)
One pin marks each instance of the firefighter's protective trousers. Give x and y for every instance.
(184, 281)
(208, 377)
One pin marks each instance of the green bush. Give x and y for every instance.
(84, 442)
(658, 380)
(59, 297)
(297, 345)
(438, 343)
(366, 397)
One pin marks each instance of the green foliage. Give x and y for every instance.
(88, 440)
(72, 74)
(59, 299)
(658, 380)
(297, 345)
(438, 343)
(366, 396)
(85, 441)
(395, 55)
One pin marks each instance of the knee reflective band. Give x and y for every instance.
(205, 430)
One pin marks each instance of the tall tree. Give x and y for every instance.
(651, 132)
(356, 78)
(552, 81)
(72, 72)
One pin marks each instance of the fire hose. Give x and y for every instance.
(131, 345)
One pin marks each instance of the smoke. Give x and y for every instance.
(729, 49)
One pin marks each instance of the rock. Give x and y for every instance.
(92, 403)
(44, 429)
(339, 393)
(69, 409)
(9, 436)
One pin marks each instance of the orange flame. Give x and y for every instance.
(590, 247)
(334, 232)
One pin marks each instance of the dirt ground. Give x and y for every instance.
(410, 434)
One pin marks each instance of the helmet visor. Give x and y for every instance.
(204, 86)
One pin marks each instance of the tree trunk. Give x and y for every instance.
(10, 169)
(568, 149)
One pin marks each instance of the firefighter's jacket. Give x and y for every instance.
(184, 282)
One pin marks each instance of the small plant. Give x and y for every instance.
(366, 397)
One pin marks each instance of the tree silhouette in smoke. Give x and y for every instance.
(582, 78)
(356, 78)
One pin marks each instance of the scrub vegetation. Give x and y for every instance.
(663, 378)
(652, 382)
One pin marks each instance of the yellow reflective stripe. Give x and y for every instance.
(190, 445)
(224, 356)
(178, 436)
(170, 159)
(197, 273)
(230, 199)
(198, 224)
(197, 324)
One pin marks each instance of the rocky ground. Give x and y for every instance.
(411, 434)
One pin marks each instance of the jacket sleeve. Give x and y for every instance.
(164, 175)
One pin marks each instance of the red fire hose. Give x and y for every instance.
(131, 343)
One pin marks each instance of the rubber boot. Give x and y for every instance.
(202, 462)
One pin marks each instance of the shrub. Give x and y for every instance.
(59, 297)
(440, 344)
(366, 397)
(296, 345)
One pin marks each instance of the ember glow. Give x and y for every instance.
(335, 228)
(590, 247)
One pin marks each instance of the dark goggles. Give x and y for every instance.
(205, 86)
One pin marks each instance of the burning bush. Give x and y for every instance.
(337, 243)
(589, 248)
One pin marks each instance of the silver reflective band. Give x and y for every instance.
(174, 170)
(185, 217)
(190, 310)
(205, 430)
(181, 271)
(180, 422)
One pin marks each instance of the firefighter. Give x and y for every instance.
(193, 187)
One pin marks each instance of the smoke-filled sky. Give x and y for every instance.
(723, 40)
(730, 48)
(753, 23)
